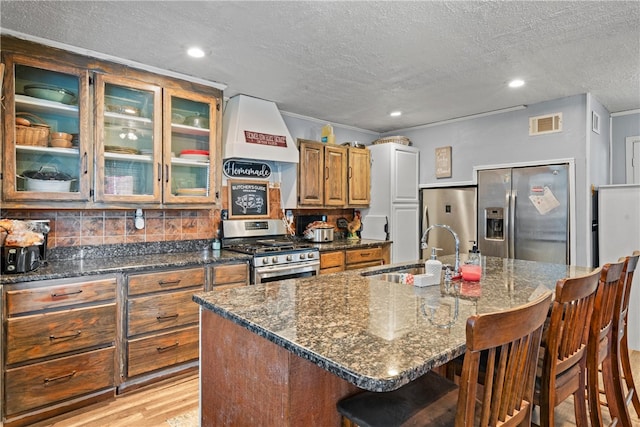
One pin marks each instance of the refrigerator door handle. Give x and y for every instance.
(512, 224)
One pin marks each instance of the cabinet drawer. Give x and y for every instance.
(165, 280)
(232, 273)
(162, 350)
(156, 312)
(366, 264)
(43, 383)
(331, 259)
(355, 256)
(57, 296)
(41, 335)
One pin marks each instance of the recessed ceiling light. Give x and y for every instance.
(516, 83)
(395, 113)
(195, 52)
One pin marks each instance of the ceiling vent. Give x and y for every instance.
(541, 125)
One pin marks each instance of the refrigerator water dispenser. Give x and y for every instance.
(494, 225)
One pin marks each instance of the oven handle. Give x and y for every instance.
(281, 270)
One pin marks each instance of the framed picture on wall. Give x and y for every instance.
(443, 162)
(248, 199)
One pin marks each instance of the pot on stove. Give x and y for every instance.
(319, 234)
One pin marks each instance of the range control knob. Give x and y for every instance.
(289, 257)
(274, 260)
(265, 260)
(310, 255)
(303, 256)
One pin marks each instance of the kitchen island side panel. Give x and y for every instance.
(248, 380)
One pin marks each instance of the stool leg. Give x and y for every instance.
(627, 373)
(613, 384)
(579, 401)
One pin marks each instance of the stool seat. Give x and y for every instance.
(511, 340)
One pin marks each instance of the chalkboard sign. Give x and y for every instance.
(248, 199)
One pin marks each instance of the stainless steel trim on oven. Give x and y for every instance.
(272, 273)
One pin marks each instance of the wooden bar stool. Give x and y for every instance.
(564, 354)
(506, 398)
(599, 347)
(622, 375)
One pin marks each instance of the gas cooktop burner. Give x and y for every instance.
(268, 246)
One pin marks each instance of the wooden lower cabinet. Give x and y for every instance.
(351, 259)
(162, 350)
(60, 347)
(160, 325)
(229, 275)
(33, 386)
(331, 262)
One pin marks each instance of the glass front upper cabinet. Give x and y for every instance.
(189, 149)
(46, 131)
(128, 140)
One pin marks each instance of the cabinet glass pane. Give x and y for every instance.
(128, 141)
(189, 148)
(45, 160)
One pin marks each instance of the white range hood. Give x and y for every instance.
(253, 128)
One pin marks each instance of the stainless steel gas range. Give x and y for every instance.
(276, 255)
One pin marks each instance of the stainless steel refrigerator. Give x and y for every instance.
(523, 213)
(452, 206)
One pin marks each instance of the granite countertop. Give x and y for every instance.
(376, 334)
(341, 244)
(124, 259)
(128, 258)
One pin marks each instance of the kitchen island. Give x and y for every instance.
(284, 353)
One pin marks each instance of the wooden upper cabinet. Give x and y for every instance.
(135, 137)
(311, 175)
(322, 177)
(335, 176)
(190, 149)
(52, 97)
(359, 176)
(128, 140)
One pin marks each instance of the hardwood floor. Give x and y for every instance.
(151, 407)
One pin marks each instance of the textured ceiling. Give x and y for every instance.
(354, 62)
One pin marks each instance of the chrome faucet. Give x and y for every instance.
(423, 243)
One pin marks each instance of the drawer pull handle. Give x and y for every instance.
(168, 282)
(59, 337)
(365, 254)
(167, 316)
(169, 347)
(66, 294)
(61, 377)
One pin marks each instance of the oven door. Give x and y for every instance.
(273, 273)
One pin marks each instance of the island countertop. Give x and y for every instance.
(373, 333)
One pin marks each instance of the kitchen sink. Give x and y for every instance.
(397, 276)
(394, 275)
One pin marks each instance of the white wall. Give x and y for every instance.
(622, 127)
(503, 139)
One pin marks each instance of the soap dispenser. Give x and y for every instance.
(433, 267)
(472, 269)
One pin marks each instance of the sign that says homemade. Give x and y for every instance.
(265, 139)
(237, 169)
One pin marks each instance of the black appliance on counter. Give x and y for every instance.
(22, 259)
(276, 255)
(302, 221)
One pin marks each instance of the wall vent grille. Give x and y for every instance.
(549, 123)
